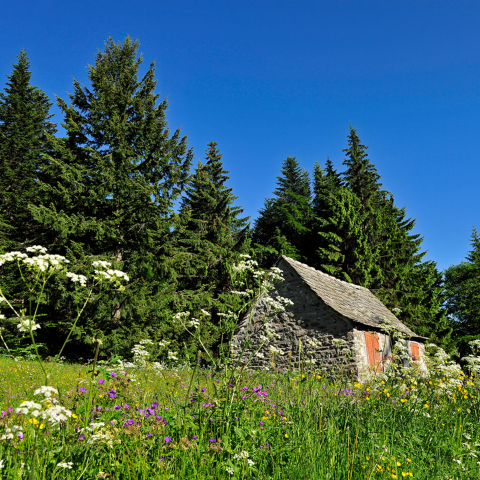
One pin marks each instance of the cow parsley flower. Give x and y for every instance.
(27, 324)
(65, 465)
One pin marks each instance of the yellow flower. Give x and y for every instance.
(403, 400)
(101, 395)
(394, 476)
(368, 458)
(286, 435)
(74, 416)
(426, 406)
(41, 426)
(368, 398)
(319, 377)
(399, 464)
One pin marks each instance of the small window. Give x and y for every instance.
(415, 351)
(373, 353)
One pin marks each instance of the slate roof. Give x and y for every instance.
(352, 301)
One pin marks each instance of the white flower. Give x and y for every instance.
(194, 322)
(230, 470)
(164, 343)
(1, 464)
(2, 317)
(172, 356)
(47, 391)
(26, 325)
(31, 408)
(276, 350)
(2, 299)
(251, 462)
(205, 312)
(101, 263)
(65, 465)
(242, 454)
(56, 414)
(77, 278)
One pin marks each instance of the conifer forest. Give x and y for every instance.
(121, 185)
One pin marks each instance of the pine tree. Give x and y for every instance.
(211, 237)
(365, 239)
(461, 296)
(24, 125)
(111, 185)
(282, 226)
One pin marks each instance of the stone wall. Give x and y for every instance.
(324, 338)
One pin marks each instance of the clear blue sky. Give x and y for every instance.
(269, 79)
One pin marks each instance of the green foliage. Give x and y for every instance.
(109, 188)
(282, 226)
(461, 296)
(24, 126)
(307, 428)
(210, 239)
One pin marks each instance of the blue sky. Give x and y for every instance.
(271, 79)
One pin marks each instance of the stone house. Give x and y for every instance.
(332, 325)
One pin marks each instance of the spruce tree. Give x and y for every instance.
(282, 226)
(461, 296)
(24, 125)
(366, 239)
(210, 237)
(110, 187)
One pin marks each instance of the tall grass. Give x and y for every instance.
(173, 424)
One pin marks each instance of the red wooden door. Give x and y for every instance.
(415, 352)
(373, 354)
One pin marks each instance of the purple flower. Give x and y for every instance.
(194, 438)
(83, 389)
(101, 381)
(113, 374)
(261, 423)
(149, 435)
(168, 439)
(212, 440)
(81, 438)
(20, 435)
(161, 459)
(204, 389)
(112, 393)
(130, 422)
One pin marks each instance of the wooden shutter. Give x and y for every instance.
(373, 354)
(415, 351)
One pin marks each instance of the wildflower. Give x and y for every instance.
(26, 325)
(65, 465)
(212, 440)
(250, 462)
(101, 381)
(47, 391)
(112, 393)
(286, 435)
(194, 437)
(83, 390)
(1, 464)
(168, 439)
(113, 374)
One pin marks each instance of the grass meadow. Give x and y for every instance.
(196, 424)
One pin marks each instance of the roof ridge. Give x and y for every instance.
(353, 301)
(326, 274)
